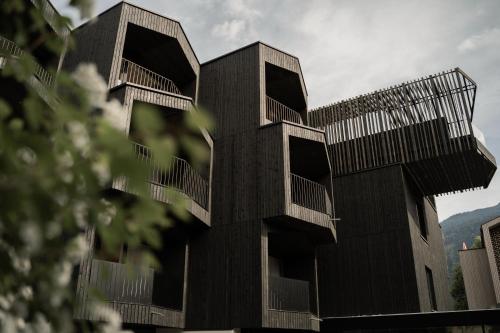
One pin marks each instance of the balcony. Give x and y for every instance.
(277, 112)
(9, 49)
(134, 73)
(118, 283)
(309, 194)
(131, 292)
(288, 294)
(179, 175)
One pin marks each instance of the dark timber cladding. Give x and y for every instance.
(241, 252)
(425, 124)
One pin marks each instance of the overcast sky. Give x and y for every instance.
(351, 47)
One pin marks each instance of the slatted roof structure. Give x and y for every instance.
(425, 124)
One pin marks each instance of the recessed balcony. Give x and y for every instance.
(156, 60)
(179, 175)
(276, 112)
(134, 73)
(288, 294)
(310, 194)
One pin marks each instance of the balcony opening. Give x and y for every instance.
(157, 61)
(168, 282)
(292, 272)
(284, 97)
(189, 176)
(310, 175)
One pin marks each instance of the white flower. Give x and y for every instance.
(77, 248)
(26, 292)
(62, 273)
(102, 170)
(79, 137)
(106, 216)
(113, 113)
(80, 214)
(27, 155)
(88, 78)
(31, 235)
(41, 325)
(21, 264)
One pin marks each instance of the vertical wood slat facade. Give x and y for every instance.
(249, 171)
(422, 123)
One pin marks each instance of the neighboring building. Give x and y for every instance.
(481, 269)
(264, 249)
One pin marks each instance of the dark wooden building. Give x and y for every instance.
(392, 151)
(125, 43)
(299, 215)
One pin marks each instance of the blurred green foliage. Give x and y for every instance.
(60, 149)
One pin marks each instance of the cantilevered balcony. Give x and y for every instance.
(424, 124)
(309, 194)
(134, 73)
(179, 175)
(288, 294)
(276, 112)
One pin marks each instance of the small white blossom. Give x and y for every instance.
(79, 137)
(21, 264)
(62, 273)
(106, 216)
(27, 155)
(26, 292)
(31, 235)
(102, 170)
(77, 248)
(80, 214)
(88, 78)
(113, 112)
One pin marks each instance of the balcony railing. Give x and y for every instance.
(310, 194)
(118, 283)
(288, 294)
(9, 49)
(276, 112)
(179, 175)
(134, 73)
(51, 15)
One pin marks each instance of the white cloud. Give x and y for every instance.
(489, 37)
(229, 30)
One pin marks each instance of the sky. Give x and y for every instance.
(352, 47)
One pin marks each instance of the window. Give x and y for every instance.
(422, 221)
(430, 288)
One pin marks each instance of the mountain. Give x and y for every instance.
(464, 227)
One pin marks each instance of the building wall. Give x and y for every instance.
(477, 279)
(491, 241)
(427, 251)
(371, 270)
(225, 276)
(95, 43)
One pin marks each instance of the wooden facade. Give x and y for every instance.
(249, 279)
(124, 43)
(393, 150)
(424, 124)
(267, 251)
